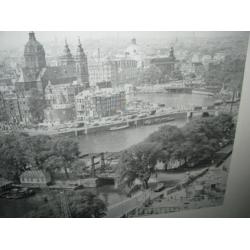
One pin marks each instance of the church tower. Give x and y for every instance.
(34, 54)
(66, 58)
(82, 66)
(171, 53)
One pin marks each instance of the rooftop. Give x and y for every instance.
(34, 174)
(100, 92)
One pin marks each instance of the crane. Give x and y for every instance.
(103, 163)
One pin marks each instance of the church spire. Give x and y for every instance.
(66, 43)
(80, 51)
(171, 53)
(66, 58)
(82, 65)
(66, 49)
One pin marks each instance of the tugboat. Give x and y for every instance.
(218, 102)
(18, 193)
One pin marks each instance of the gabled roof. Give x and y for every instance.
(56, 74)
(34, 174)
(60, 74)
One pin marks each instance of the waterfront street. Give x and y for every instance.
(115, 141)
(89, 130)
(118, 140)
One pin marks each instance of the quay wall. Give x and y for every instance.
(181, 115)
(166, 89)
(132, 123)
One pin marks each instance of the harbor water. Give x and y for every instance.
(113, 141)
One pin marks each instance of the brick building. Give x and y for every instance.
(99, 103)
(118, 71)
(165, 64)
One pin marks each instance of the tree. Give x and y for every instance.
(204, 136)
(36, 105)
(197, 147)
(233, 73)
(169, 139)
(78, 167)
(217, 128)
(177, 74)
(81, 204)
(41, 149)
(138, 162)
(166, 134)
(67, 150)
(15, 151)
(54, 163)
(86, 205)
(230, 73)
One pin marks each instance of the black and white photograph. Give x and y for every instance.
(117, 124)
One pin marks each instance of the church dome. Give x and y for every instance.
(34, 53)
(133, 49)
(33, 46)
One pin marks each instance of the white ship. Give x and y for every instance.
(202, 92)
(118, 127)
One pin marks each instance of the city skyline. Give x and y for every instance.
(14, 39)
(138, 126)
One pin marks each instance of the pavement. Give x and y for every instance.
(138, 200)
(190, 199)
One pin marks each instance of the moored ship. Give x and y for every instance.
(202, 92)
(119, 127)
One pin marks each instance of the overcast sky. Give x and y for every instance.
(16, 39)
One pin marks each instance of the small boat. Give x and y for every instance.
(161, 105)
(202, 92)
(119, 127)
(231, 101)
(142, 116)
(168, 119)
(218, 102)
(17, 193)
(153, 112)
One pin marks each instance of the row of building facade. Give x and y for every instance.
(73, 81)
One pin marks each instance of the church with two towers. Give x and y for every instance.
(36, 74)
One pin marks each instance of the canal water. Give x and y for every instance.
(113, 141)
(176, 100)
